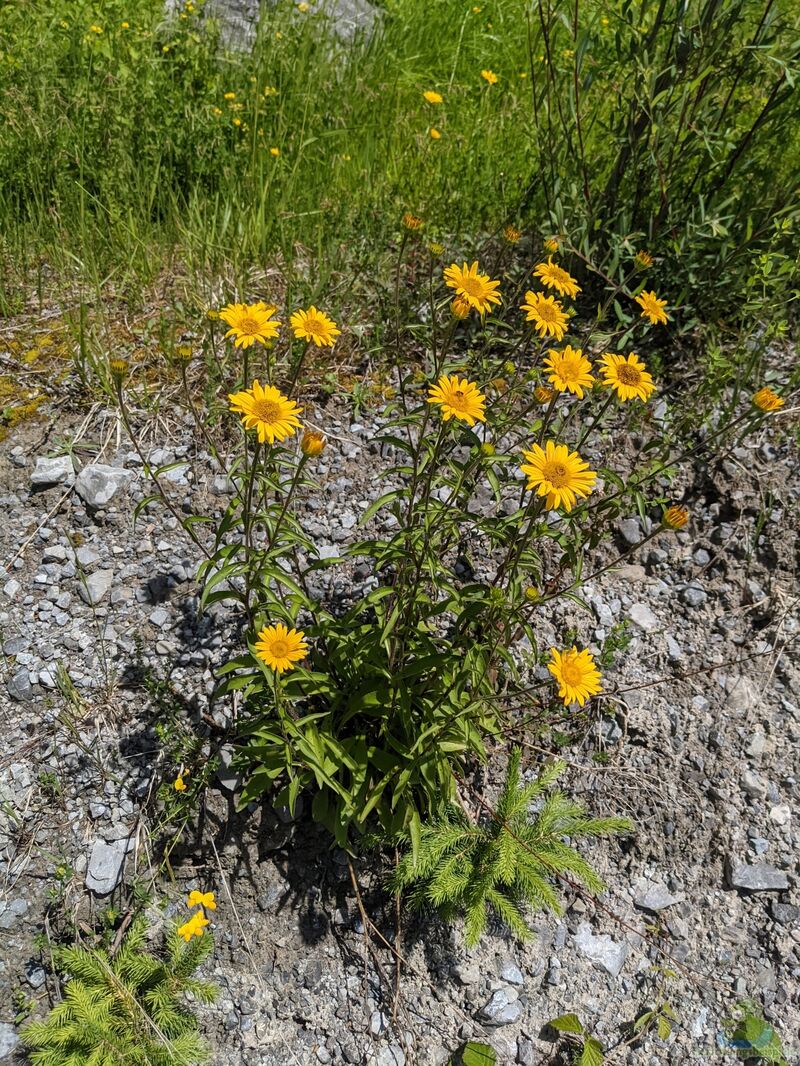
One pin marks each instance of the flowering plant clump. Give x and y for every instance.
(502, 486)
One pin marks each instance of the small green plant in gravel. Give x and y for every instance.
(750, 1037)
(588, 1051)
(507, 858)
(125, 1008)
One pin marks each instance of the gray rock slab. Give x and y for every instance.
(98, 484)
(759, 877)
(655, 896)
(605, 953)
(641, 616)
(8, 1039)
(106, 864)
(56, 471)
(95, 586)
(502, 1009)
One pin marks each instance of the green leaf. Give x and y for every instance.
(474, 1054)
(567, 1023)
(592, 1054)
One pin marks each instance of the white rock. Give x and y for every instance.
(56, 471)
(106, 864)
(95, 586)
(602, 950)
(98, 484)
(641, 616)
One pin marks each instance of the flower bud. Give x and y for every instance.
(460, 308)
(312, 444)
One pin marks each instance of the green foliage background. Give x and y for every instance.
(669, 125)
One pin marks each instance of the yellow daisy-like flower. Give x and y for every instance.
(250, 323)
(315, 326)
(476, 288)
(433, 97)
(194, 927)
(458, 398)
(675, 517)
(557, 474)
(652, 307)
(643, 259)
(569, 370)
(551, 245)
(555, 277)
(627, 376)
(269, 412)
(275, 152)
(490, 76)
(202, 899)
(768, 400)
(411, 222)
(435, 135)
(312, 444)
(280, 648)
(576, 673)
(179, 784)
(511, 235)
(547, 315)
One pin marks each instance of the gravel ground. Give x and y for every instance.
(704, 761)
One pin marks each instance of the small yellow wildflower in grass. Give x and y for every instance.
(542, 394)
(212, 314)
(577, 676)
(250, 323)
(433, 97)
(461, 308)
(627, 376)
(271, 414)
(411, 222)
(652, 307)
(96, 29)
(217, 111)
(767, 400)
(275, 152)
(675, 517)
(436, 249)
(476, 288)
(555, 277)
(184, 352)
(458, 398)
(643, 259)
(558, 474)
(303, 8)
(490, 76)
(237, 122)
(551, 245)
(194, 927)
(202, 899)
(180, 786)
(119, 369)
(312, 443)
(488, 450)
(569, 370)
(125, 25)
(229, 96)
(511, 235)
(315, 326)
(547, 315)
(280, 648)
(435, 135)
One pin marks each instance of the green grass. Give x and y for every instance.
(612, 122)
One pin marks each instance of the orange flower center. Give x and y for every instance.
(473, 286)
(628, 374)
(556, 473)
(250, 326)
(280, 648)
(569, 370)
(547, 311)
(267, 411)
(571, 672)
